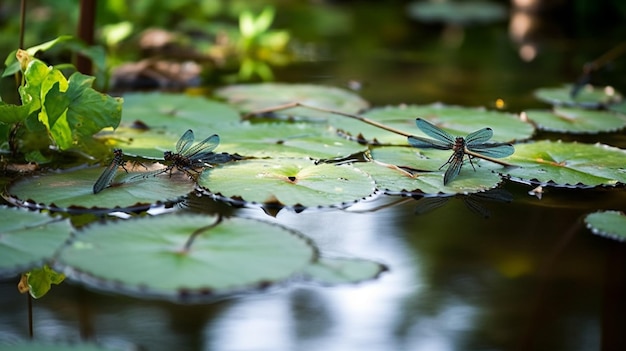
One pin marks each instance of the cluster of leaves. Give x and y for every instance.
(55, 111)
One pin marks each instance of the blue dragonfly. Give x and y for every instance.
(189, 157)
(473, 145)
(109, 172)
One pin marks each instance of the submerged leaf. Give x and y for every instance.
(288, 182)
(184, 256)
(610, 224)
(567, 164)
(40, 281)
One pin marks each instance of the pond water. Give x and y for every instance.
(529, 277)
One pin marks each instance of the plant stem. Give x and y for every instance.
(199, 231)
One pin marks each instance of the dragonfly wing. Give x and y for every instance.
(105, 178)
(425, 143)
(433, 131)
(495, 150)
(203, 148)
(479, 136)
(454, 169)
(214, 158)
(184, 142)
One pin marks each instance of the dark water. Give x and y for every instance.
(530, 277)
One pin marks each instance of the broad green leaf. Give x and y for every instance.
(13, 65)
(457, 12)
(610, 224)
(184, 256)
(576, 120)
(73, 190)
(40, 281)
(28, 238)
(567, 164)
(327, 270)
(288, 182)
(457, 120)
(620, 108)
(286, 140)
(10, 114)
(177, 112)
(254, 97)
(589, 96)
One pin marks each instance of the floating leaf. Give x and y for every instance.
(177, 112)
(28, 238)
(286, 140)
(428, 180)
(576, 120)
(184, 256)
(457, 12)
(327, 270)
(610, 224)
(620, 108)
(73, 191)
(288, 182)
(567, 164)
(254, 97)
(457, 120)
(589, 96)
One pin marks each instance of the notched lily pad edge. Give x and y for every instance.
(553, 184)
(239, 202)
(601, 233)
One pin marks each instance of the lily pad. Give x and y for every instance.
(457, 120)
(610, 224)
(331, 270)
(255, 97)
(457, 12)
(619, 108)
(28, 238)
(72, 191)
(577, 120)
(286, 140)
(177, 112)
(589, 96)
(427, 181)
(567, 164)
(183, 257)
(288, 182)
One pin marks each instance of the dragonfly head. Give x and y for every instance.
(167, 155)
(459, 144)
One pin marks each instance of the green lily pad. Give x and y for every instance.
(588, 97)
(429, 180)
(288, 182)
(610, 224)
(567, 164)
(619, 108)
(184, 257)
(286, 140)
(457, 12)
(330, 271)
(576, 120)
(28, 238)
(457, 120)
(72, 191)
(254, 97)
(177, 112)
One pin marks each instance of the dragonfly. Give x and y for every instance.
(473, 145)
(189, 157)
(109, 172)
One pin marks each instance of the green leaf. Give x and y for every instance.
(40, 281)
(288, 182)
(567, 164)
(327, 270)
(10, 114)
(28, 238)
(589, 96)
(457, 120)
(253, 97)
(73, 191)
(610, 224)
(184, 256)
(577, 120)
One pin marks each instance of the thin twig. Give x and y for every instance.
(199, 231)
